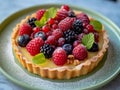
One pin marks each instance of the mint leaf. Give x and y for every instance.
(39, 59)
(88, 40)
(96, 24)
(50, 13)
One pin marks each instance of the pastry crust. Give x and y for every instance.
(63, 72)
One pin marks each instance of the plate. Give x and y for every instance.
(108, 68)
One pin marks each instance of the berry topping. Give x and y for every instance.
(51, 40)
(45, 28)
(33, 47)
(80, 36)
(36, 29)
(31, 22)
(94, 47)
(77, 42)
(40, 34)
(54, 26)
(59, 56)
(61, 41)
(68, 48)
(47, 50)
(66, 7)
(40, 13)
(66, 23)
(78, 26)
(71, 14)
(61, 14)
(25, 29)
(84, 18)
(23, 40)
(96, 36)
(69, 36)
(51, 21)
(57, 33)
(90, 28)
(80, 52)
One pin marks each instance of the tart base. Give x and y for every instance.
(63, 72)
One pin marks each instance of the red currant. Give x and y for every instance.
(36, 29)
(45, 28)
(51, 21)
(90, 28)
(61, 41)
(66, 7)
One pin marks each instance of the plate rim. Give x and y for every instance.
(117, 30)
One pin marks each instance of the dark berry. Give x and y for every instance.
(80, 36)
(69, 36)
(61, 41)
(47, 50)
(96, 36)
(94, 47)
(31, 22)
(40, 34)
(68, 48)
(78, 26)
(23, 40)
(71, 14)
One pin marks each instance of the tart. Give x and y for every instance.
(59, 43)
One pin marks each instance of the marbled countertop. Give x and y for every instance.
(107, 8)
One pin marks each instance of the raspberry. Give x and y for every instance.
(33, 47)
(40, 13)
(54, 26)
(66, 23)
(61, 14)
(80, 52)
(84, 18)
(59, 56)
(66, 7)
(25, 29)
(51, 40)
(57, 33)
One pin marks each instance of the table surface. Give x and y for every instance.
(107, 8)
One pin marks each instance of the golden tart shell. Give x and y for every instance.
(62, 72)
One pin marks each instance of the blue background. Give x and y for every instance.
(108, 8)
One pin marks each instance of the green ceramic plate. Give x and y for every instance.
(104, 73)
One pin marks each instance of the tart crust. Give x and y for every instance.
(63, 72)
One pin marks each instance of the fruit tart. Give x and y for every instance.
(59, 43)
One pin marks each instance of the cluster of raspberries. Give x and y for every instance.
(59, 37)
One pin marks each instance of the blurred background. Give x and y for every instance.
(109, 8)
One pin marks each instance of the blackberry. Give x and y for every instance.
(94, 47)
(68, 48)
(71, 14)
(40, 34)
(23, 40)
(31, 22)
(69, 36)
(47, 50)
(78, 26)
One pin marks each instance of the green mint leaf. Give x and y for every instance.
(88, 40)
(96, 24)
(39, 58)
(50, 13)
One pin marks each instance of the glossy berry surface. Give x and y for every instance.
(33, 47)
(59, 56)
(78, 26)
(51, 21)
(51, 40)
(45, 28)
(57, 33)
(68, 48)
(94, 47)
(66, 7)
(71, 14)
(47, 50)
(69, 36)
(61, 41)
(36, 29)
(31, 22)
(23, 40)
(80, 52)
(90, 28)
(77, 42)
(40, 34)
(40, 13)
